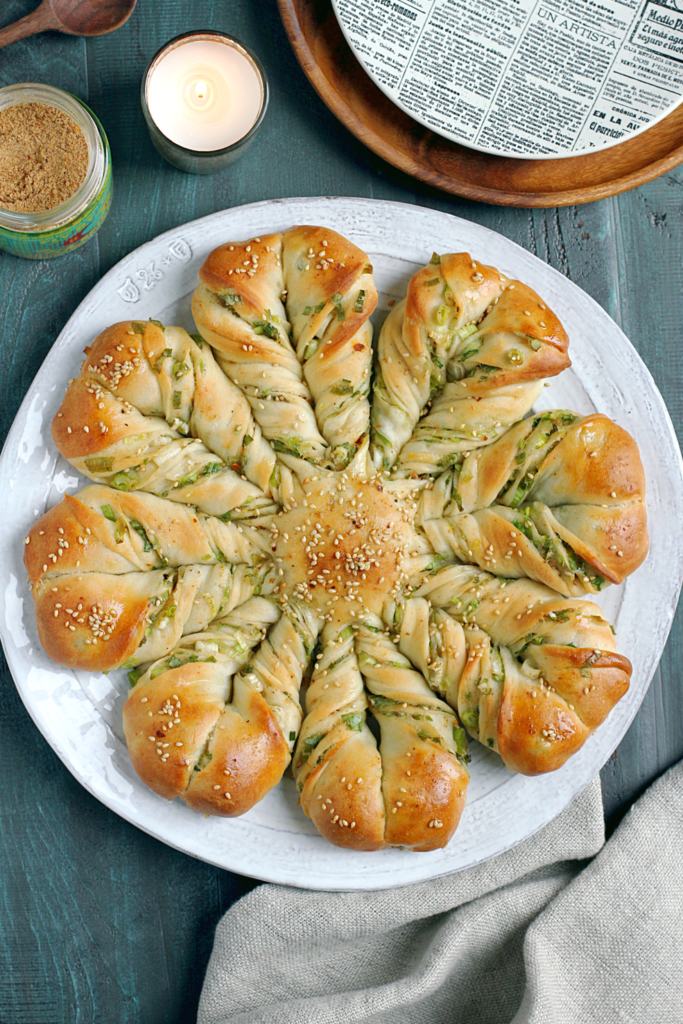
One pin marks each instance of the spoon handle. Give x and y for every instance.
(38, 21)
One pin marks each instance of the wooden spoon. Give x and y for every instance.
(75, 17)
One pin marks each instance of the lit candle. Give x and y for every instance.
(204, 96)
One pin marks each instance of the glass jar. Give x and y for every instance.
(244, 70)
(73, 222)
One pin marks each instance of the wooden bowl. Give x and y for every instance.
(353, 97)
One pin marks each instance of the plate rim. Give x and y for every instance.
(63, 340)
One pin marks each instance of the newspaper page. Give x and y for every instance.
(524, 77)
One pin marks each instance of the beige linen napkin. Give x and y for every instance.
(538, 935)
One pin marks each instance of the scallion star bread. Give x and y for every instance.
(312, 551)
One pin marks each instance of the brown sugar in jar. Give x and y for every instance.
(43, 157)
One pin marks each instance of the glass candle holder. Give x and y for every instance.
(72, 223)
(204, 96)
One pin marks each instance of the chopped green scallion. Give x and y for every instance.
(125, 481)
(164, 355)
(100, 464)
(139, 528)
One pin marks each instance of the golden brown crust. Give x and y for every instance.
(593, 682)
(538, 729)
(522, 312)
(408, 790)
(81, 408)
(104, 544)
(360, 800)
(180, 706)
(249, 744)
(94, 621)
(329, 542)
(598, 464)
(336, 271)
(581, 519)
(152, 411)
(461, 360)
(199, 728)
(217, 271)
(524, 724)
(541, 672)
(115, 381)
(186, 741)
(288, 317)
(508, 307)
(66, 539)
(349, 813)
(423, 808)
(104, 530)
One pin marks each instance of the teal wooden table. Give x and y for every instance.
(100, 922)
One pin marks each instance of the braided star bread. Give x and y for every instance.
(262, 535)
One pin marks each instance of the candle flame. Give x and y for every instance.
(201, 89)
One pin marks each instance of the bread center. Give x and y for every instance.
(342, 547)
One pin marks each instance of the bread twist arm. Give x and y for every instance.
(336, 744)
(118, 578)
(215, 723)
(151, 410)
(287, 315)
(196, 730)
(474, 345)
(277, 669)
(559, 498)
(408, 792)
(423, 748)
(541, 671)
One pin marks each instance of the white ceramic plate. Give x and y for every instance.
(80, 714)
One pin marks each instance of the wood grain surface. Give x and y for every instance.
(350, 93)
(98, 921)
